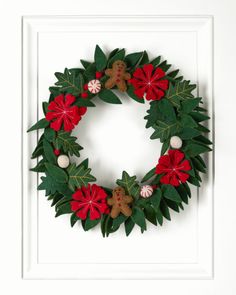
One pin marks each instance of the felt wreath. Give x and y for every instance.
(176, 116)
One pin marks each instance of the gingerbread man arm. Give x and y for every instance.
(128, 199)
(108, 72)
(126, 76)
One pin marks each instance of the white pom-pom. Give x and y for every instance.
(175, 142)
(146, 191)
(94, 86)
(63, 161)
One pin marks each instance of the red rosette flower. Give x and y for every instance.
(148, 82)
(90, 199)
(173, 166)
(61, 112)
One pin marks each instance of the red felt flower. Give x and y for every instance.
(61, 112)
(173, 166)
(148, 82)
(90, 199)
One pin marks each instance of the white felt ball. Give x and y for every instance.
(175, 142)
(146, 191)
(63, 161)
(94, 86)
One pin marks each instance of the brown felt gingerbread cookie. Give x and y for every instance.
(119, 202)
(118, 76)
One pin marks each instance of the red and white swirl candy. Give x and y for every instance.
(146, 191)
(94, 86)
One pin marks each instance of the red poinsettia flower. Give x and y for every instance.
(148, 82)
(173, 166)
(90, 199)
(61, 112)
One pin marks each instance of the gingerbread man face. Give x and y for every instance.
(119, 202)
(118, 76)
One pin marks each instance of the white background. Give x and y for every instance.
(224, 47)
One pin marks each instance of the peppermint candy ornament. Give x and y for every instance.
(146, 191)
(94, 86)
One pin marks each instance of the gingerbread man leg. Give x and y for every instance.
(110, 83)
(126, 210)
(121, 85)
(114, 212)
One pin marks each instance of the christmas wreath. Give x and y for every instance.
(176, 116)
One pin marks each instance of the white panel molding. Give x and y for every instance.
(32, 27)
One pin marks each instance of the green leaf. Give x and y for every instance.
(150, 214)
(144, 59)
(79, 176)
(73, 219)
(65, 208)
(188, 105)
(165, 130)
(119, 55)
(155, 199)
(183, 193)
(40, 167)
(169, 192)
(159, 216)
(188, 133)
(84, 102)
(171, 204)
(109, 96)
(49, 134)
(165, 146)
(43, 123)
(85, 63)
(90, 223)
(130, 184)
(194, 181)
(198, 165)
(181, 91)
(100, 59)
(119, 220)
(130, 92)
(68, 143)
(50, 185)
(167, 110)
(68, 82)
(45, 107)
(165, 210)
(38, 151)
(193, 149)
(132, 59)
(164, 66)
(149, 175)
(156, 61)
(138, 217)
(187, 121)
(48, 152)
(57, 173)
(199, 117)
(129, 225)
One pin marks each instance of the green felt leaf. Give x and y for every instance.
(155, 199)
(45, 107)
(129, 225)
(188, 133)
(186, 186)
(167, 110)
(85, 63)
(43, 123)
(55, 91)
(109, 96)
(199, 117)
(85, 163)
(201, 160)
(193, 149)
(130, 92)
(149, 175)
(100, 59)
(48, 152)
(165, 210)
(198, 165)
(57, 173)
(90, 71)
(130, 185)
(132, 59)
(194, 181)
(119, 55)
(159, 216)
(40, 167)
(138, 217)
(84, 102)
(68, 82)
(50, 185)
(113, 52)
(90, 223)
(165, 146)
(169, 192)
(55, 198)
(150, 214)
(79, 176)
(68, 143)
(144, 59)
(203, 128)
(49, 134)
(173, 205)
(188, 105)
(183, 193)
(179, 92)
(202, 140)
(156, 61)
(65, 208)
(164, 66)
(165, 130)
(119, 220)
(38, 151)
(73, 219)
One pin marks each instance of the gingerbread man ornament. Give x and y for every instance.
(119, 202)
(118, 76)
